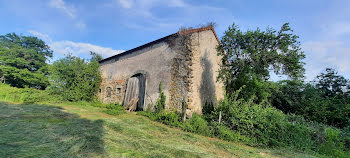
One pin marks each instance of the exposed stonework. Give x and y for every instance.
(185, 62)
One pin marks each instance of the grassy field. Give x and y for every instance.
(36, 130)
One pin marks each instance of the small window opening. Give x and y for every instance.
(119, 90)
(109, 91)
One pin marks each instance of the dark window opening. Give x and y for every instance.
(109, 91)
(119, 90)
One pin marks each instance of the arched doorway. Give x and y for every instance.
(135, 90)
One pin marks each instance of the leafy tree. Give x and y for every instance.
(75, 78)
(248, 57)
(315, 101)
(23, 61)
(333, 84)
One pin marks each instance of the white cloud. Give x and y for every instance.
(177, 3)
(61, 48)
(144, 14)
(81, 49)
(67, 9)
(326, 53)
(42, 36)
(126, 3)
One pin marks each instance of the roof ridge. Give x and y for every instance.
(181, 32)
(189, 31)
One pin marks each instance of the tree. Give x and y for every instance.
(332, 84)
(325, 100)
(74, 78)
(248, 57)
(23, 61)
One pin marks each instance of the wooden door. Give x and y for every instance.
(135, 90)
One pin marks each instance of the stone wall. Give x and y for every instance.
(185, 64)
(205, 87)
(153, 61)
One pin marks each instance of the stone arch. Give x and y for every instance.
(136, 87)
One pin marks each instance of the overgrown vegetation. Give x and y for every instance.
(75, 79)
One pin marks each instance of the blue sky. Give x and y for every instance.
(112, 26)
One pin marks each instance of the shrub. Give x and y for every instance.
(197, 124)
(258, 121)
(74, 78)
(332, 144)
(345, 134)
(114, 110)
(160, 105)
(225, 133)
(170, 118)
(267, 126)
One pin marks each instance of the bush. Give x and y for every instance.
(170, 118)
(114, 109)
(225, 133)
(258, 121)
(197, 124)
(345, 134)
(332, 144)
(160, 105)
(267, 126)
(75, 79)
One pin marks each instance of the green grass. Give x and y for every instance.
(75, 130)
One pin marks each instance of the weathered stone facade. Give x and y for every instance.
(185, 62)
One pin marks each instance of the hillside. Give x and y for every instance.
(66, 130)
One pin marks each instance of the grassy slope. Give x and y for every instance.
(34, 130)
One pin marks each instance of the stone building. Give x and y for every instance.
(186, 63)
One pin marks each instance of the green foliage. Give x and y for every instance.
(255, 120)
(248, 57)
(197, 124)
(332, 143)
(208, 108)
(225, 133)
(74, 78)
(312, 103)
(332, 84)
(170, 118)
(267, 126)
(26, 95)
(114, 109)
(23, 61)
(160, 104)
(345, 134)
